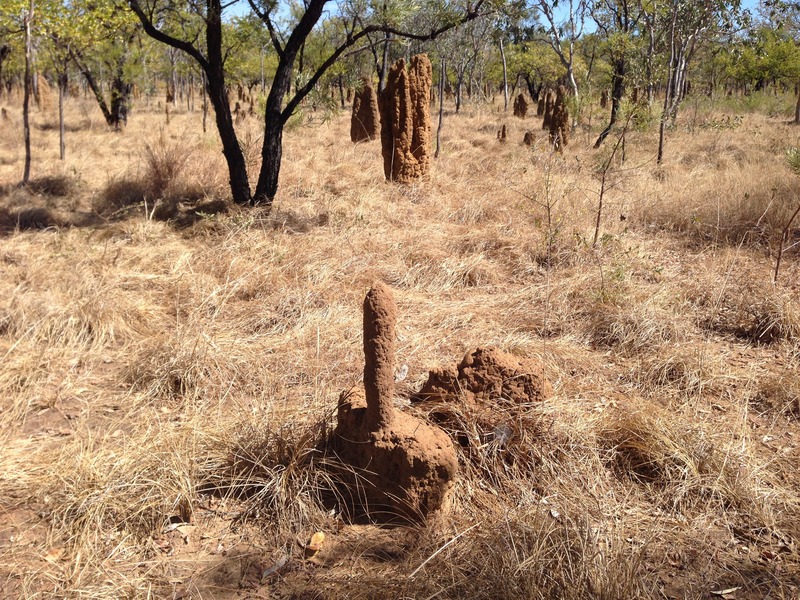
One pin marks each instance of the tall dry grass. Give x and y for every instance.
(168, 390)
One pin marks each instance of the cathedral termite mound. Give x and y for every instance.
(365, 121)
(405, 120)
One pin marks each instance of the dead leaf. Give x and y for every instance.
(726, 593)
(315, 544)
(54, 555)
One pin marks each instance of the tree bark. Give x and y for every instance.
(26, 174)
(441, 110)
(505, 76)
(62, 88)
(617, 92)
(237, 167)
(797, 108)
(272, 148)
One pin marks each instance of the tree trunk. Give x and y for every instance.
(341, 91)
(384, 67)
(459, 86)
(617, 92)
(505, 77)
(205, 101)
(62, 88)
(237, 168)
(26, 174)
(797, 108)
(120, 93)
(441, 111)
(272, 148)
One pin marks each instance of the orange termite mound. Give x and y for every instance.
(397, 466)
(520, 106)
(405, 120)
(549, 101)
(559, 123)
(365, 121)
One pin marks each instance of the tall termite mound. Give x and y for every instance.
(520, 106)
(559, 123)
(604, 99)
(549, 100)
(365, 120)
(405, 120)
(396, 466)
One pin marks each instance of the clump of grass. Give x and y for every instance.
(277, 466)
(164, 190)
(756, 313)
(682, 464)
(684, 370)
(523, 553)
(778, 393)
(631, 329)
(31, 218)
(53, 185)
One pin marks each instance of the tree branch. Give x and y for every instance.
(265, 18)
(351, 41)
(167, 39)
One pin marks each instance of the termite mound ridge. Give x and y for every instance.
(405, 120)
(365, 123)
(487, 390)
(395, 467)
(549, 101)
(520, 106)
(559, 123)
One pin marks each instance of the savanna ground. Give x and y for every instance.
(168, 385)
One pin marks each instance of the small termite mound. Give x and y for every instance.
(529, 138)
(520, 106)
(365, 123)
(405, 120)
(559, 122)
(549, 101)
(486, 387)
(502, 134)
(396, 467)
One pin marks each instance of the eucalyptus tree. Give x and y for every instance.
(462, 47)
(617, 21)
(563, 36)
(97, 36)
(17, 19)
(690, 22)
(203, 41)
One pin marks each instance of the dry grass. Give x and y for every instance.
(168, 391)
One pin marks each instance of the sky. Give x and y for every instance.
(242, 7)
